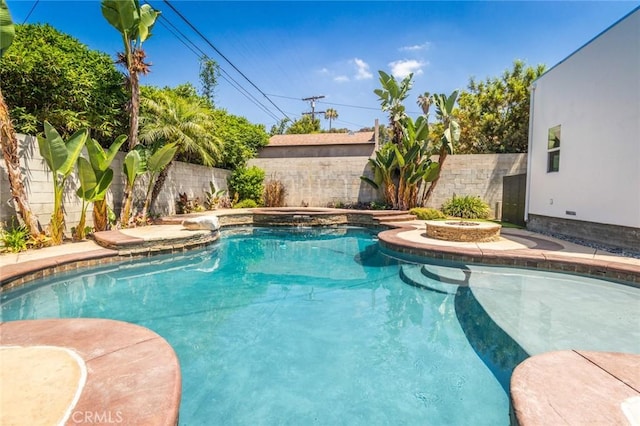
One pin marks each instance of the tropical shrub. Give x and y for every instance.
(424, 213)
(467, 207)
(49, 75)
(213, 197)
(247, 183)
(274, 193)
(14, 239)
(245, 204)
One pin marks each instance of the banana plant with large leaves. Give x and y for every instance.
(61, 157)
(137, 164)
(449, 138)
(392, 96)
(95, 176)
(384, 166)
(134, 166)
(155, 164)
(414, 163)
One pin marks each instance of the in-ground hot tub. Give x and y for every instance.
(464, 231)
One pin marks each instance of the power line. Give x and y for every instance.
(336, 104)
(221, 54)
(31, 11)
(312, 101)
(224, 74)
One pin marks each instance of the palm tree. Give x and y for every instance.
(187, 122)
(330, 114)
(134, 23)
(8, 138)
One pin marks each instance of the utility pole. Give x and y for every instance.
(312, 100)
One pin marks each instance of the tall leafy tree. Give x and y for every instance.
(242, 139)
(280, 127)
(494, 113)
(304, 125)
(49, 75)
(8, 138)
(330, 114)
(134, 23)
(209, 73)
(187, 122)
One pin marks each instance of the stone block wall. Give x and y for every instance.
(320, 181)
(317, 181)
(477, 174)
(190, 178)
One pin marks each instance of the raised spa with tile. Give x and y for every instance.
(463, 230)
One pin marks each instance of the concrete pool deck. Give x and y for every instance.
(516, 247)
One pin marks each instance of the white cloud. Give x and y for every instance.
(324, 71)
(415, 47)
(341, 79)
(402, 68)
(362, 67)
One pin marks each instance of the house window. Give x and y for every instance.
(553, 150)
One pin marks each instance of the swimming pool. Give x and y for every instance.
(318, 326)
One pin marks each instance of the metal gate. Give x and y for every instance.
(513, 198)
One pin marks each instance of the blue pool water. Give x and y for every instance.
(318, 326)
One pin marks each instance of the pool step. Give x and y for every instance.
(450, 275)
(392, 216)
(414, 275)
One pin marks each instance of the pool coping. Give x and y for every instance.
(133, 374)
(121, 245)
(545, 256)
(574, 387)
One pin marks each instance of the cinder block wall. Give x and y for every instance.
(183, 177)
(320, 181)
(315, 181)
(476, 174)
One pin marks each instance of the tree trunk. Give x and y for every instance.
(159, 184)
(56, 226)
(12, 161)
(80, 233)
(100, 215)
(427, 195)
(134, 107)
(125, 213)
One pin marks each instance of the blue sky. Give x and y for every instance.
(293, 50)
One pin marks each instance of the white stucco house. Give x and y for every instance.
(583, 173)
